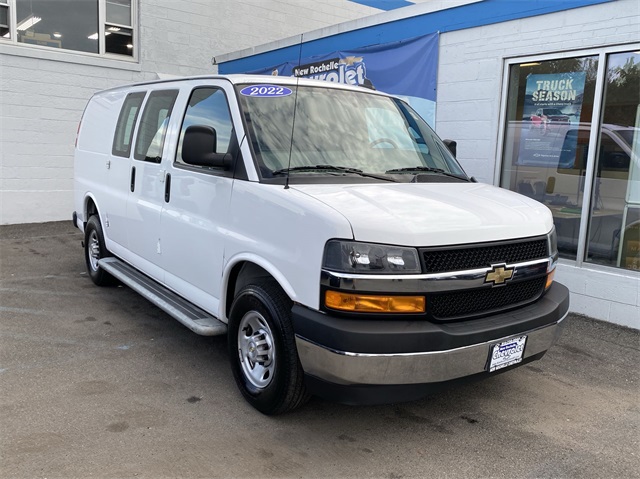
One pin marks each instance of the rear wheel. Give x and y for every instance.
(262, 349)
(94, 251)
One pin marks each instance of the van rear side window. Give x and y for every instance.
(153, 125)
(126, 124)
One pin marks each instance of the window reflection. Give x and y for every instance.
(67, 24)
(208, 106)
(368, 132)
(153, 125)
(118, 40)
(549, 110)
(547, 139)
(119, 12)
(614, 226)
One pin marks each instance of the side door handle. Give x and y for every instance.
(133, 178)
(167, 188)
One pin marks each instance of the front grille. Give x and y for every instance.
(476, 302)
(473, 256)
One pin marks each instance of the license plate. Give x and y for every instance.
(507, 353)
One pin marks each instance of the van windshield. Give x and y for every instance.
(358, 131)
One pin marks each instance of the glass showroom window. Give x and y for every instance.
(90, 26)
(614, 219)
(551, 155)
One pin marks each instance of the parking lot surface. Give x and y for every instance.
(97, 382)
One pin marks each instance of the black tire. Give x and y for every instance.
(272, 381)
(94, 250)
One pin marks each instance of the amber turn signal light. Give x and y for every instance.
(366, 303)
(549, 279)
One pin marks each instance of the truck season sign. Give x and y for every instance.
(552, 103)
(562, 91)
(556, 90)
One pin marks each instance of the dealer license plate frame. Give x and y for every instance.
(512, 350)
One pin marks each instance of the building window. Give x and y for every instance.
(63, 24)
(102, 27)
(588, 181)
(118, 31)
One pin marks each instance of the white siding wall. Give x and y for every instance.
(470, 83)
(43, 92)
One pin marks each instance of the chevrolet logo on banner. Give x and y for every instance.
(499, 274)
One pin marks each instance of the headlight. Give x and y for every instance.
(370, 258)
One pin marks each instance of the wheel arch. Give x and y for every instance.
(90, 208)
(242, 270)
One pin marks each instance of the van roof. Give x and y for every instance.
(237, 79)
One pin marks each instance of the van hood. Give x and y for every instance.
(431, 214)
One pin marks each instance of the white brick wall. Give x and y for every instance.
(43, 92)
(607, 295)
(41, 104)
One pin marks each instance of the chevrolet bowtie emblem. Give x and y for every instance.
(500, 274)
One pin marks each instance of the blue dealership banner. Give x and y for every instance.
(406, 68)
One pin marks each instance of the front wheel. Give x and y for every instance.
(262, 349)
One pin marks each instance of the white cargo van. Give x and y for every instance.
(324, 228)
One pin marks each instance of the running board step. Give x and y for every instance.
(191, 316)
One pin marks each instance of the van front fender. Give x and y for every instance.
(230, 275)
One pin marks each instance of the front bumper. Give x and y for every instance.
(365, 353)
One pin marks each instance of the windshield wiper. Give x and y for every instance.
(342, 169)
(419, 169)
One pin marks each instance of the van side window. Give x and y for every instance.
(153, 125)
(208, 107)
(126, 124)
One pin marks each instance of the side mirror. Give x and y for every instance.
(199, 146)
(452, 145)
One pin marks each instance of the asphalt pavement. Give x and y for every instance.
(97, 382)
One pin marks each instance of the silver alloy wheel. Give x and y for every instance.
(94, 250)
(256, 349)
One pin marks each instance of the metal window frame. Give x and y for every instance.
(596, 119)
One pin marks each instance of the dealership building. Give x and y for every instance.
(541, 96)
